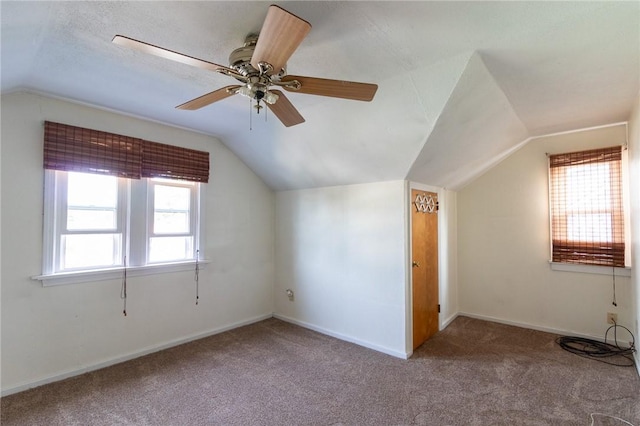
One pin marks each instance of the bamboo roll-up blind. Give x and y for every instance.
(172, 162)
(76, 149)
(587, 216)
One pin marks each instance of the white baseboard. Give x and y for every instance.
(344, 337)
(146, 351)
(388, 351)
(531, 326)
(448, 321)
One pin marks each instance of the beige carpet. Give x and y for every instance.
(275, 373)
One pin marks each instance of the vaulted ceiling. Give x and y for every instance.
(461, 84)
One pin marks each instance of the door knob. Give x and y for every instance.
(415, 264)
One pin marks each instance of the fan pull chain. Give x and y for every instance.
(250, 107)
(197, 277)
(123, 290)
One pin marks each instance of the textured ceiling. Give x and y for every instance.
(461, 84)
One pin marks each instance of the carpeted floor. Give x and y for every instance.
(275, 373)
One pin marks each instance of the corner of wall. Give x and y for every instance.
(633, 141)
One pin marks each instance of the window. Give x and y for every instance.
(91, 221)
(112, 201)
(586, 203)
(94, 223)
(172, 208)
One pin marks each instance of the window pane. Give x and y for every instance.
(92, 201)
(90, 190)
(171, 209)
(90, 251)
(78, 219)
(170, 223)
(588, 187)
(589, 227)
(171, 198)
(165, 249)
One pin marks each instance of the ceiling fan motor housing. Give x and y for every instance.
(240, 59)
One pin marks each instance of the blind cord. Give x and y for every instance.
(123, 290)
(197, 276)
(614, 287)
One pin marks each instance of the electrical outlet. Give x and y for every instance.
(612, 318)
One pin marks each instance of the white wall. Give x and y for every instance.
(52, 332)
(503, 247)
(342, 250)
(634, 189)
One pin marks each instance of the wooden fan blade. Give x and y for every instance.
(281, 34)
(285, 111)
(333, 88)
(166, 53)
(209, 98)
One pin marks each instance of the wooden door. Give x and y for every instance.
(424, 250)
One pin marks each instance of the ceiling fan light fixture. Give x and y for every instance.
(245, 91)
(270, 98)
(259, 92)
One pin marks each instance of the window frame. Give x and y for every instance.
(588, 267)
(133, 196)
(194, 202)
(61, 215)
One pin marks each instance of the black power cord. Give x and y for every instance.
(605, 352)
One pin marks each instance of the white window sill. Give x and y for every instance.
(590, 269)
(117, 273)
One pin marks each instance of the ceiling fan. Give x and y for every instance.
(260, 65)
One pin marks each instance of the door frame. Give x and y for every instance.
(442, 208)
